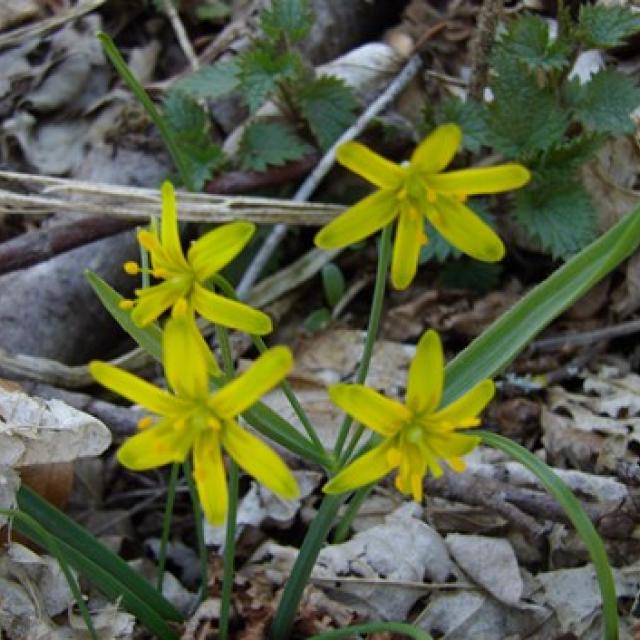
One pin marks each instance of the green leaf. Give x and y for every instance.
(333, 283)
(604, 104)
(565, 159)
(606, 26)
(480, 277)
(211, 81)
(578, 516)
(269, 143)
(102, 567)
(470, 116)
(261, 69)
(317, 320)
(523, 118)
(328, 105)
(190, 126)
(291, 19)
(558, 213)
(527, 41)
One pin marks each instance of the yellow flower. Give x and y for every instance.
(192, 417)
(418, 188)
(418, 434)
(184, 276)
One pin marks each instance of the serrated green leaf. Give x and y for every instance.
(606, 26)
(470, 116)
(557, 213)
(182, 113)
(289, 18)
(604, 104)
(523, 118)
(567, 158)
(480, 277)
(527, 41)
(260, 71)
(211, 81)
(333, 283)
(328, 105)
(270, 143)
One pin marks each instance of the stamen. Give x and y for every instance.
(180, 308)
(126, 305)
(148, 240)
(161, 274)
(432, 196)
(131, 267)
(145, 422)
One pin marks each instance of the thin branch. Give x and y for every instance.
(181, 34)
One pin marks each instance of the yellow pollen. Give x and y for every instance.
(394, 457)
(432, 196)
(126, 305)
(131, 267)
(145, 422)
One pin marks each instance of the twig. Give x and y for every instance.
(181, 34)
(585, 337)
(323, 167)
(387, 582)
(481, 46)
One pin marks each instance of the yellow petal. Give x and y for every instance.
(437, 150)
(169, 234)
(467, 406)
(483, 180)
(358, 222)
(184, 364)
(371, 166)
(135, 389)
(465, 230)
(406, 249)
(366, 469)
(210, 477)
(259, 460)
(229, 313)
(217, 248)
(452, 445)
(426, 374)
(382, 415)
(155, 447)
(154, 301)
(264, 374)
(149, 240)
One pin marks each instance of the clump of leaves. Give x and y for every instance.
(544, 117)
(316, 109)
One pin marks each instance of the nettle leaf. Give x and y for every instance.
(523, 118)
(470, 116)
(270, 143)
(211, 81)
(603, 26)
(527, 41)
(557, 213)
(190, 128)
(568, 157)
(260, 70)
(604, 104)
(289, 18)
(328, 106)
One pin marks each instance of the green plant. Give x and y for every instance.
(334, 288)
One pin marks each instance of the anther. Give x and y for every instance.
(131, 267)
(145, 422)
(126, 305)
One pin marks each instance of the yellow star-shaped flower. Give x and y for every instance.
(191, 417)
(418, 434)
(416, 189)
(184, 276)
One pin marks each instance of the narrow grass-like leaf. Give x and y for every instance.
(575, 512)
(499, 345)
(375, 627)
(105, 569)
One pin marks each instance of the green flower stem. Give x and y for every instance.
(166, 522)
(384, 257)
(373, 627)
(54, 549)
(313, 541)
(226, 287)
(578, 517)
(138, 91)
(353, 507)
(232, 509)
(199, 526)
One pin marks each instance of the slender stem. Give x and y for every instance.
(166, 522)
(197, 516)
(313, 541)
(138, 91)
(353, 507)
(229, 553)
(373, 627)
(384, 257)
(232, 509)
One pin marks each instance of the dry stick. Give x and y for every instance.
(318, 174)
(585, 337)
(481, 46)
(181, 34)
